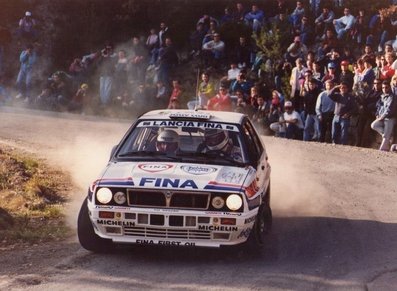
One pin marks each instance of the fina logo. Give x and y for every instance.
(153, 168)
(198, 170)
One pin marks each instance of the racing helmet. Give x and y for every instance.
(216, 139)
(167, 141)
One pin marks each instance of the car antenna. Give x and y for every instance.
(197, 107)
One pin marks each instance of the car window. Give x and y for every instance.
(254, 145)
(202, 142)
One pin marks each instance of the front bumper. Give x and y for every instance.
(154, 226)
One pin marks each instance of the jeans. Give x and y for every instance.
(293, 132)
(326, 124)
(311, 127)
(340, 130)
(385, 128)
(105, 89)
(378, 41)
(24, 82)
(340, 30)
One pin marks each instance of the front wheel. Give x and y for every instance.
(261, 229)
(87, 236)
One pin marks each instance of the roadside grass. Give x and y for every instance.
(32, 199)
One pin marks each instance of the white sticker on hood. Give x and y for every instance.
(198, 170)
(154, 168)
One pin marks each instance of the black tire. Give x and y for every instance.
(260, 232)
(87, 236)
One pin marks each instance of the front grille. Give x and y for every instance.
(187, 200)
(146, 198)
(148, 232)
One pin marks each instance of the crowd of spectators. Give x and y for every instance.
(335, 80)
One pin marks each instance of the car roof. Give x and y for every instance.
(205, 115)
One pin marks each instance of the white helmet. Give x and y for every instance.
(167, 141)
(216, 139)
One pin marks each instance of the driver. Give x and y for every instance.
(217, 140)
(167, 141)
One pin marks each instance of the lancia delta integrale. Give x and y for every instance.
(181, 178)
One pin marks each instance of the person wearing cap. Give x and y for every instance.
(386, 109)
(346, 75)
(290, 122)
(331, 73)
(27, 27)
(344, 108)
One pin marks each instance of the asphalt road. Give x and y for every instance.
(334, 207)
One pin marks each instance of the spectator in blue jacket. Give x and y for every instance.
(255, 18)
(27, 59)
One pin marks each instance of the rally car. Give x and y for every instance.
(181, 178)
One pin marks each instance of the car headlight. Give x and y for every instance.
(234, 202)
(120, 197)
(218, 202)
(104, 195)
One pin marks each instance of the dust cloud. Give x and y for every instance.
(296, 190)
(84, 158)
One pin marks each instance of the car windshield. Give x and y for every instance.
(184, 141)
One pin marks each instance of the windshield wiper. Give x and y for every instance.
(148, 153)
(213, 156)
(140, 153)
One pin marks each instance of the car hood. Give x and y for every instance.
(183, 176)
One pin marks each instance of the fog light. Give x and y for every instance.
(221, 235)
(143, 218)
(234, 202)
(120, 198)
(113, 229)
(228, 221)
(104, 195)
(106, 214)
(218, 202)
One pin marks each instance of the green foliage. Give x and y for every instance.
(269, 43)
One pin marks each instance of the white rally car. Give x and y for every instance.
(181, 178)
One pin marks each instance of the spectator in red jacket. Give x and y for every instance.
(221, 101)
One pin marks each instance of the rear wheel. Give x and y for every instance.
(87, 236)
